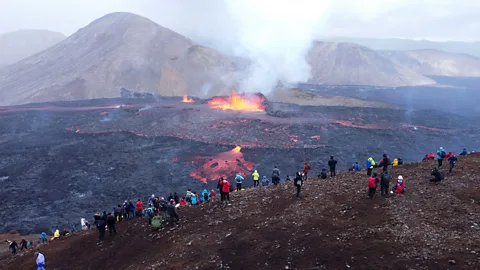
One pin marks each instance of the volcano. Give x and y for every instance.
(236, 102)
(67, 160)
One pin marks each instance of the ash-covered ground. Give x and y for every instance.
(63, 161)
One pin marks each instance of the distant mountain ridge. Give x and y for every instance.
(15, 46)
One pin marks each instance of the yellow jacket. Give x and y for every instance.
(56, 234)
(255, 175)
(395, 162)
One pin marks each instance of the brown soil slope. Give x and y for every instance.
(333, 226)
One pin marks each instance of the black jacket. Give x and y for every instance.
(101, 225)
(110, 220)
(386, 178)
(332, 163)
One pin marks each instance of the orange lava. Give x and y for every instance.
(237, 149)
(187, 100)
(238, 102)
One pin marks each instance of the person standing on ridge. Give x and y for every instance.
(306, 170)
(111, 224)
(172, 213)
(332, 163)
(176, 198)
(40, 261)
(239, 179)
(226, 190)
(372, 185)
(385, 162)
(384, 184)
(452, 160)
(441, 154)
(256, 178)
(101, 229)
(275, 176)
(139, 207)
(298, 182)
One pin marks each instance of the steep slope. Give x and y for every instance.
(118, 50)
(351, 64)
(438, 63)
(333, 226)
(15, 46)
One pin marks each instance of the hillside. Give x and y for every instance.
(15, 46)
(115, 51)
(333, 226)
(352, 64)
(437, 63)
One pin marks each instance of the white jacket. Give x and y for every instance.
(40, 259)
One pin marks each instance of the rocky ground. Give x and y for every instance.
(332, 226)
(67, 160)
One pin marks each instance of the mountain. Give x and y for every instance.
(351, 64)
(437, 63)
(398, 44)
(15, 46)
(115, 51)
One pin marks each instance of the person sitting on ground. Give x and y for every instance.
(356, 167)
(111, 222)
(188, 195)
(452, 161)
(430, 156)
(437, 175)
(298, 182)
(464, 152)
(239, 179)
(172, 213)
(256, 178)
(399, 186)
(205, 195)
(40, 260)
(287, 178)
(323, 174)
(212, 193)
(226, 190)
(372, 185)
(194, 198)
(395, 162)
(400, 161)
(183, 201)
(265, 181)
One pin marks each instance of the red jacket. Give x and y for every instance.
(448, 155)
(372, 182)
(183, 202)
(400, 187)
(226, 187)
(306, 168)
(139, 205)
(431, 156)
(213, 194)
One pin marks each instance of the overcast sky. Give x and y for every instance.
(418, 19)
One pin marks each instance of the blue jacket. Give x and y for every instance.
(205, 192)
(357, 168)
(439, 154)
(265, 181)
(239, 179)
(194, 199)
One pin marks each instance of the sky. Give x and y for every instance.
(426, 19)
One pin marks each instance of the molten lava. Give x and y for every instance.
(238, 102)
(187, 100)
(237, 149)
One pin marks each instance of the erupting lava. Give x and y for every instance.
(187, 100)
(238, 102)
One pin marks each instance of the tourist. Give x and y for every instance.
(400, 161)
(399, 186)
(176, 198)
(395, 162)
(212, 193)
(219, 187)
(23, 244)
(256, 178)
(265, 181)
(437, 175)
(205, 195)
(441, 154)
(356, 167)
(385, 162)
(139, 205)
(372, 185)
(170, 197)
(96, 218)
(370, 165)
(306, 170)
(111, 223)
(298, 182)
(332, 163)
(152, 199)
(194, 199)
(40, 261)
(43, 237)
(101, 229)
(239, 179)
(188, 195)
(452, 161)
(384, 183)
(464, 152)
(287, 178)
(131, 209)
(323, 174)
(12, 245)
(448, 155)
(172, 212)
(183, 202)
(226, 190)
(275, 176)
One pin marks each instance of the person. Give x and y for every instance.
(172, 213)
(430, 156)
(101, 229)
(332, 163)
(287, 178)
(226, 190)
(306, 169)
(176, 198)
(12, 245)
(23, 244)
(265, 181)
(40, 261)
(437, 175)
(43, 237)
(384, 184)
(188, 195)
(82, 224)
(111, 224)
(399, 185)
(205, 195)
(183, 201)
(464, 152)
(96, 218)
(194, 199)
(441, 154)
(275, 176)
(139, 207)
(356, 167)
(298, 182)
(163, 208)
(239, 179)
(372, 185)
(370, 165)
(170, 197)
(219, 187)
(152, 199)
(425, 158)
(385, 162)
(256, 178)
(452, 161)
(87, 224)
(395, 162)
(400, 161)
(131, 209)
(323, 174)
(212, 193)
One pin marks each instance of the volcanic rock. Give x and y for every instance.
(352, 64)
(438, 63)
(15, 46)
(124, 93)
(115, 51)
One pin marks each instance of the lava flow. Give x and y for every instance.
(187, 100)
(238, 102)
(225, 164)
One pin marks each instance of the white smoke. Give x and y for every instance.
(276, 36)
